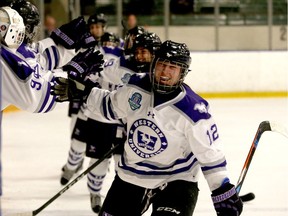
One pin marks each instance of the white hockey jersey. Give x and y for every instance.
(169, 137)
(114, 74)
(27, 75)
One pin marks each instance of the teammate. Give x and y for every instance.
(171, 136)
(27, 72)
(92, 135)
(22, 83)
(98, 133)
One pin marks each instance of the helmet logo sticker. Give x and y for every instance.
(146, 139)
(135, 101)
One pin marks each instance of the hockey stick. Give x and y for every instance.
(37, 211)
(264, 126)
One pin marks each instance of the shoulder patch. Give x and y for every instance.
(135, 101)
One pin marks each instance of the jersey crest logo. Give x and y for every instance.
(146, 139)
(135, 101)
(201, 107)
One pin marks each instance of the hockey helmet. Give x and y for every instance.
(31, 18)
(130, 37)
(170, 53)
(110, 39)
(97, 18)
(12, 28)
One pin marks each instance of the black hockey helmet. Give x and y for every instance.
(97, 18)
(110, 37)
(31, 18)
(130, 37)
(147, 40)
(173, 53)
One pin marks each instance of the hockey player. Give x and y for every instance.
(27, 75)
(96, 135)
(23, 85)
(92, 135)
(171, 136)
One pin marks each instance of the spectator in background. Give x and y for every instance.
(131, 21)
(49, 24)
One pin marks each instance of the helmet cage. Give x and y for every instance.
(31, 18)
(12, 29)
(164, 88)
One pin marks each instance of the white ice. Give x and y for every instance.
(35, 147)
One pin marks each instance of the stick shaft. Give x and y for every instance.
(264, 126)
(108, 154)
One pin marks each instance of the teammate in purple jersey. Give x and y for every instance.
(171, 136)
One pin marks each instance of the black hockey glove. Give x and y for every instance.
(69, 35)
(86, 41)
(84, 64)
(226, 201)
(71, 90)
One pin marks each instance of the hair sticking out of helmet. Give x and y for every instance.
(31, 18)
(12, 28)
(170, 66)
(97, 18)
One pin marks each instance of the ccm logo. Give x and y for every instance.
(168, 209)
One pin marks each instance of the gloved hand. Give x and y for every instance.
(84, 64)
(69, 35)
(86, 41)
(71, 90)
(226, 201)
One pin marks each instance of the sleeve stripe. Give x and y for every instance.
(107, 110)
(47, 96)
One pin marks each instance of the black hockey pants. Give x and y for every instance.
(177, 198)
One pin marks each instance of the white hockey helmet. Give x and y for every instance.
(12, 28)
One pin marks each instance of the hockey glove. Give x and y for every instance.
(226, 201)
(86, 41)
(84, 64)
(71, 90)
(69, 35)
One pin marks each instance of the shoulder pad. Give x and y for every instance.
(194, 106)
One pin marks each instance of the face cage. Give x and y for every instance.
(14, 36)
(31, 33)
(162, 88)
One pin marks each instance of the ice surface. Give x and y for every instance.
(35, 147)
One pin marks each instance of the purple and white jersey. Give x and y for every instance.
(169, 137)
(25, 83)
(113, 75)
(52, 56)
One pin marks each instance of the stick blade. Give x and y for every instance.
(276, 127)
(247, 197)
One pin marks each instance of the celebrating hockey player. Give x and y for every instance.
(171, 136)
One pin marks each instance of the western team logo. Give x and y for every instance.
(146, 139)
(135, 101)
